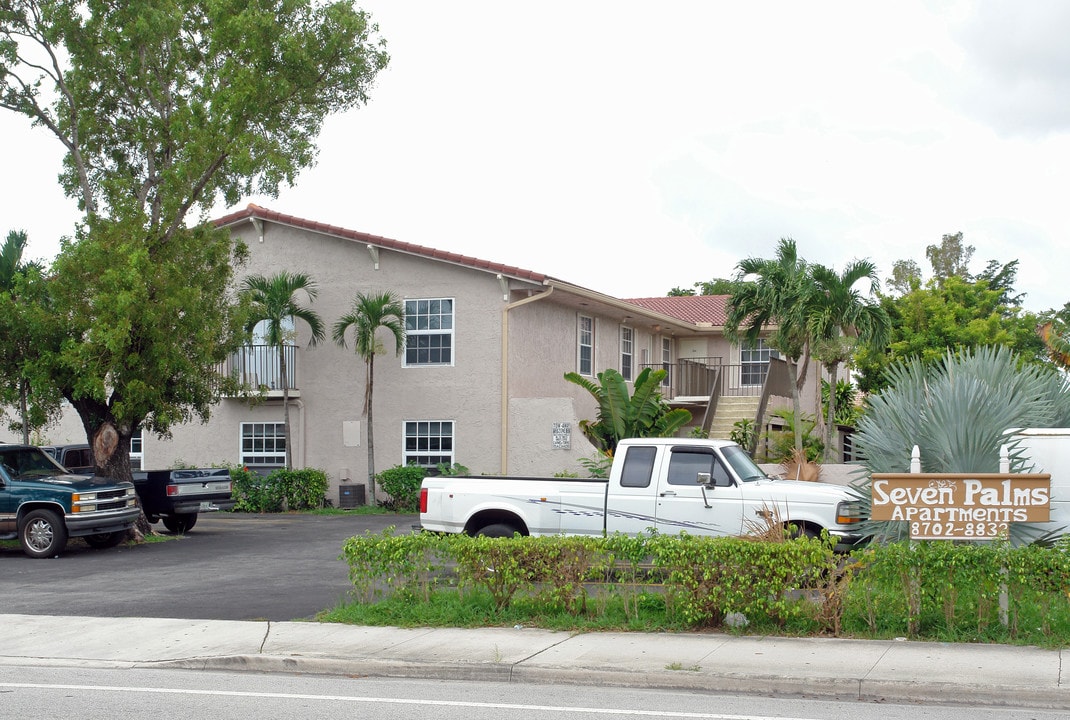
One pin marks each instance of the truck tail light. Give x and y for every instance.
(172, 490)
(423, 500)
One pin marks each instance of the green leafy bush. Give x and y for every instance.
(255, 493)
(281, 489)
(402, 483)
(302, 489)
(925, 590)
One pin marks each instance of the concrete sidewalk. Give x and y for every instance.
(845, 669)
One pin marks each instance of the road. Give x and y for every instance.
(107, 694)
(231, 566)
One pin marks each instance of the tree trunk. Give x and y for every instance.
(24, 411)
(111, 456)
(830, 428)
(796, 402)
(371, 439)
(285, 404)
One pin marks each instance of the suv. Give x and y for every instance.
(42, 505)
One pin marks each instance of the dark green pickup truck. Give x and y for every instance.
(42, 505)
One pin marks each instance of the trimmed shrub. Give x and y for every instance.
(402, 483)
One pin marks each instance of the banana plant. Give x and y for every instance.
(642, 413)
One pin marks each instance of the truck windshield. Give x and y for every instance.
(741, 463)
(28, 463)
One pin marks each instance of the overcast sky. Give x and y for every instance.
(632, 147)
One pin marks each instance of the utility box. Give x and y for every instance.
(350, 496)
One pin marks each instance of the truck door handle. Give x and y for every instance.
(669, 493)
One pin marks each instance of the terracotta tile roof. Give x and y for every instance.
(263, 213)
(698, 309)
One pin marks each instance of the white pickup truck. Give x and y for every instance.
(670, 485)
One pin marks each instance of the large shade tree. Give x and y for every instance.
(275, 302)
(370, 314)
(772, 302)
(840, 318)
(164, 109)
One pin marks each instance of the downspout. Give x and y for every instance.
(505, 367)
(304, 434)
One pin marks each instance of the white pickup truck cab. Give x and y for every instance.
(669, 485)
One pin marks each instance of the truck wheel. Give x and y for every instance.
(42, 534)
(497, 530)
(103, 541)
(180, 523)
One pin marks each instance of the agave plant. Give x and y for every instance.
(644, 413)
(958, 412)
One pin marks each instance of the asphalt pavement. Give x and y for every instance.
(864, 670)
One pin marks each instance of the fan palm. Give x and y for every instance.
(839, 319)
(958, 412)
(775, 302)
(368, 315)
(274, 301)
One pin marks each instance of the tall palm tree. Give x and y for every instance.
(369, 314)
(840, 318)
(773, 296)
(274, 300)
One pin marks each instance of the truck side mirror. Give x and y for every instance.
(703, 480)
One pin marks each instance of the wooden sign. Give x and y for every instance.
(954, 506)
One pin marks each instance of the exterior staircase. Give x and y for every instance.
(731, 409)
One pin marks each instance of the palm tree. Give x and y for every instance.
(369, 314)
(274, 301)
(840, 318)
(775, 301)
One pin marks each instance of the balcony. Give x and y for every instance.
(695, 380)
(257, 366)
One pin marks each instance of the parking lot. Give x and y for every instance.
(231, 566)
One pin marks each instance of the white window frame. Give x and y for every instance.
(275, 457)
(137, 451)
(627, 352)
(585, 341)
(432, 320)
(666, 361)
(432, 431)
(758, 356)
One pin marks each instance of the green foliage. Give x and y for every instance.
(454, 470)
(644, 413)
(928, 590)
(954, 313)
(254, 493)
(781, 443)
(281, 489)
(951, 591)
(402, 483)
(847, 410)
(742, 433)
(597, 466)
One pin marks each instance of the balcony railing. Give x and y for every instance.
(258, 366)
(695, 379)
